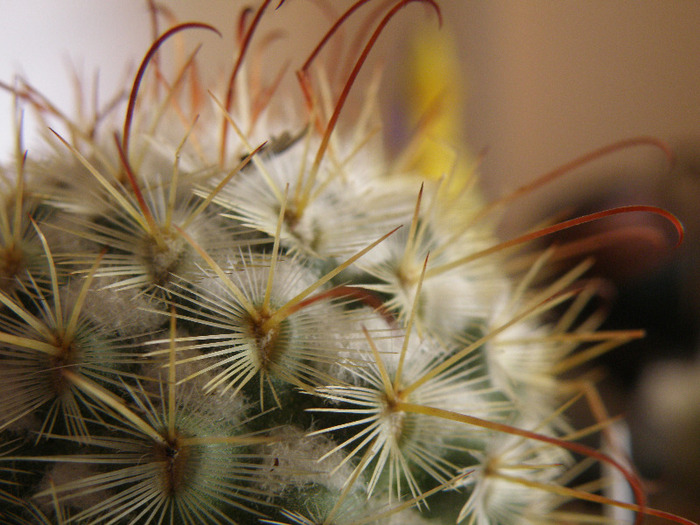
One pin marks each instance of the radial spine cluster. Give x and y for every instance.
(236, 308)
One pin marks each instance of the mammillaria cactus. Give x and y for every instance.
(235, 309)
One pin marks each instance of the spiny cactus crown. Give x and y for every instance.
(236, 309)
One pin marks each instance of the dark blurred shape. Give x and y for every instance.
(656, 380)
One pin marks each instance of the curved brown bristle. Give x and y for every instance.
(355, 71)
(142, 69)
(358, 66)
(564, 225)
(356, 293)
(145, 210)
(245, 43)
(305, 67)
(577, 448)
(616, 211)
(364, 28)
(153, 12)
(242, 26)
(576, 163)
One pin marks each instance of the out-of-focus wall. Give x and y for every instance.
(44, 40)
(551, 80)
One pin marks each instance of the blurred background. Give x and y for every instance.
(543, 82)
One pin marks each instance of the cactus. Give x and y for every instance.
(227, 311)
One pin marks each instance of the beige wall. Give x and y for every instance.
(553, 79)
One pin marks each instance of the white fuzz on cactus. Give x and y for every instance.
(236, 308)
